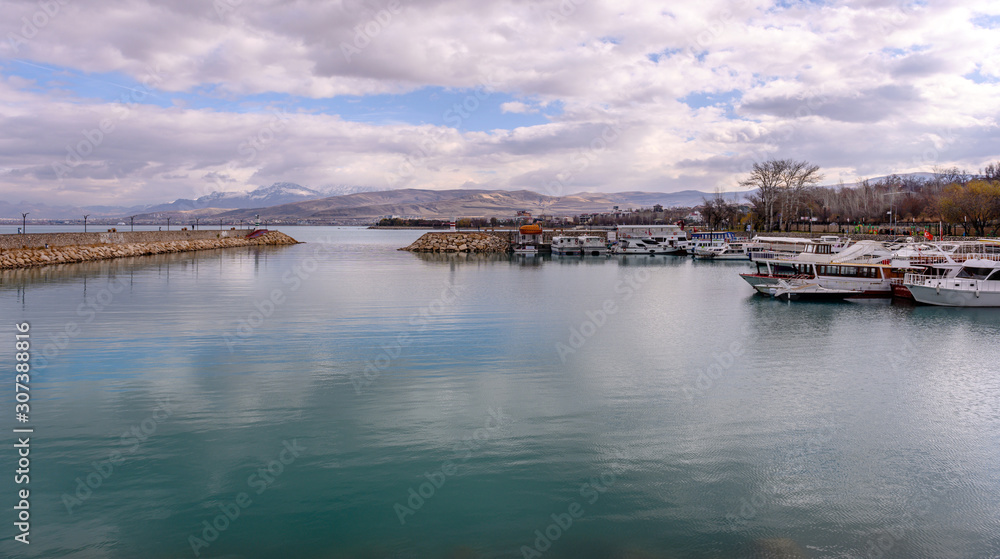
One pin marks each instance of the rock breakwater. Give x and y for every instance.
(459, 242)
(28, 257)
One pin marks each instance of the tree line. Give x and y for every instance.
(786, 192)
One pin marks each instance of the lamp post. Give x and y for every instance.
(241, 224)
(85, 222)
(168, 224)
(220, 225)
(24, 222)
(131, 220)
(196, 220)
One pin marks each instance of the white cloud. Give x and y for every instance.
(851, 86)
(517, 107)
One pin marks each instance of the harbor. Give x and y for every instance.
(714, 414)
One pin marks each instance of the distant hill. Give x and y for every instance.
(365, 207)
(264, 196)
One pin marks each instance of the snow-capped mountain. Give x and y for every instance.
(277, 193)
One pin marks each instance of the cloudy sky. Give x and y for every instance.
(135, 101)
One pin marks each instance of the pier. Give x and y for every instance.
(40, 249)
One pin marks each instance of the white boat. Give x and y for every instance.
(775, 247)
(592, 245)
(802, 290)
(568, 245)
(525, 249)
(729, 251)
(977, 284)
(712, 239)
(863, 267)
(651, 239)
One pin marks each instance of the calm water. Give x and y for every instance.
(341, 399)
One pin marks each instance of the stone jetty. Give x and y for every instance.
(459, 242)
(25, 251)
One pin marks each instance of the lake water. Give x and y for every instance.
(342, 399)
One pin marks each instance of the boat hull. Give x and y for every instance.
(951, 297)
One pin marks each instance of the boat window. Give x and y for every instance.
(995, 276)
(970, 272)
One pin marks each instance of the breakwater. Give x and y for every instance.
(459, 242)
(40, 249)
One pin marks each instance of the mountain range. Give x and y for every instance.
(290, 202)
(262, 197)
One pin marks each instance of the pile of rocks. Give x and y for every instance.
(25, 258)
(459, 242)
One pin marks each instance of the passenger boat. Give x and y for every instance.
(774, 247)
(729, 251)
(977, 284)
(592, 245)
(711, 239)
(801, 290)
(568, 245)
(651, 239)
(863, 267)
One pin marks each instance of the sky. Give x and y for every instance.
(124, 102)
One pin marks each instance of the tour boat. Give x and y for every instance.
(774, 247)
(711, 239)
(568, 245)
(863, 267)
(803, 290)
(977, 284)
(651, 239)
(592, 245)
(734, 250)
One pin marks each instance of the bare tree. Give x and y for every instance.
(766, 177)
(781, 182)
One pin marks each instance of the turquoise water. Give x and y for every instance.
(466, 406)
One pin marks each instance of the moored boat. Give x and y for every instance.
(592, 245)
(977, 284)
(651, 239)
(734, 250)
(567, 245)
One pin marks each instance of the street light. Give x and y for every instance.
(131, 220)
(24, 222)
(168, 224)
(85, 222)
